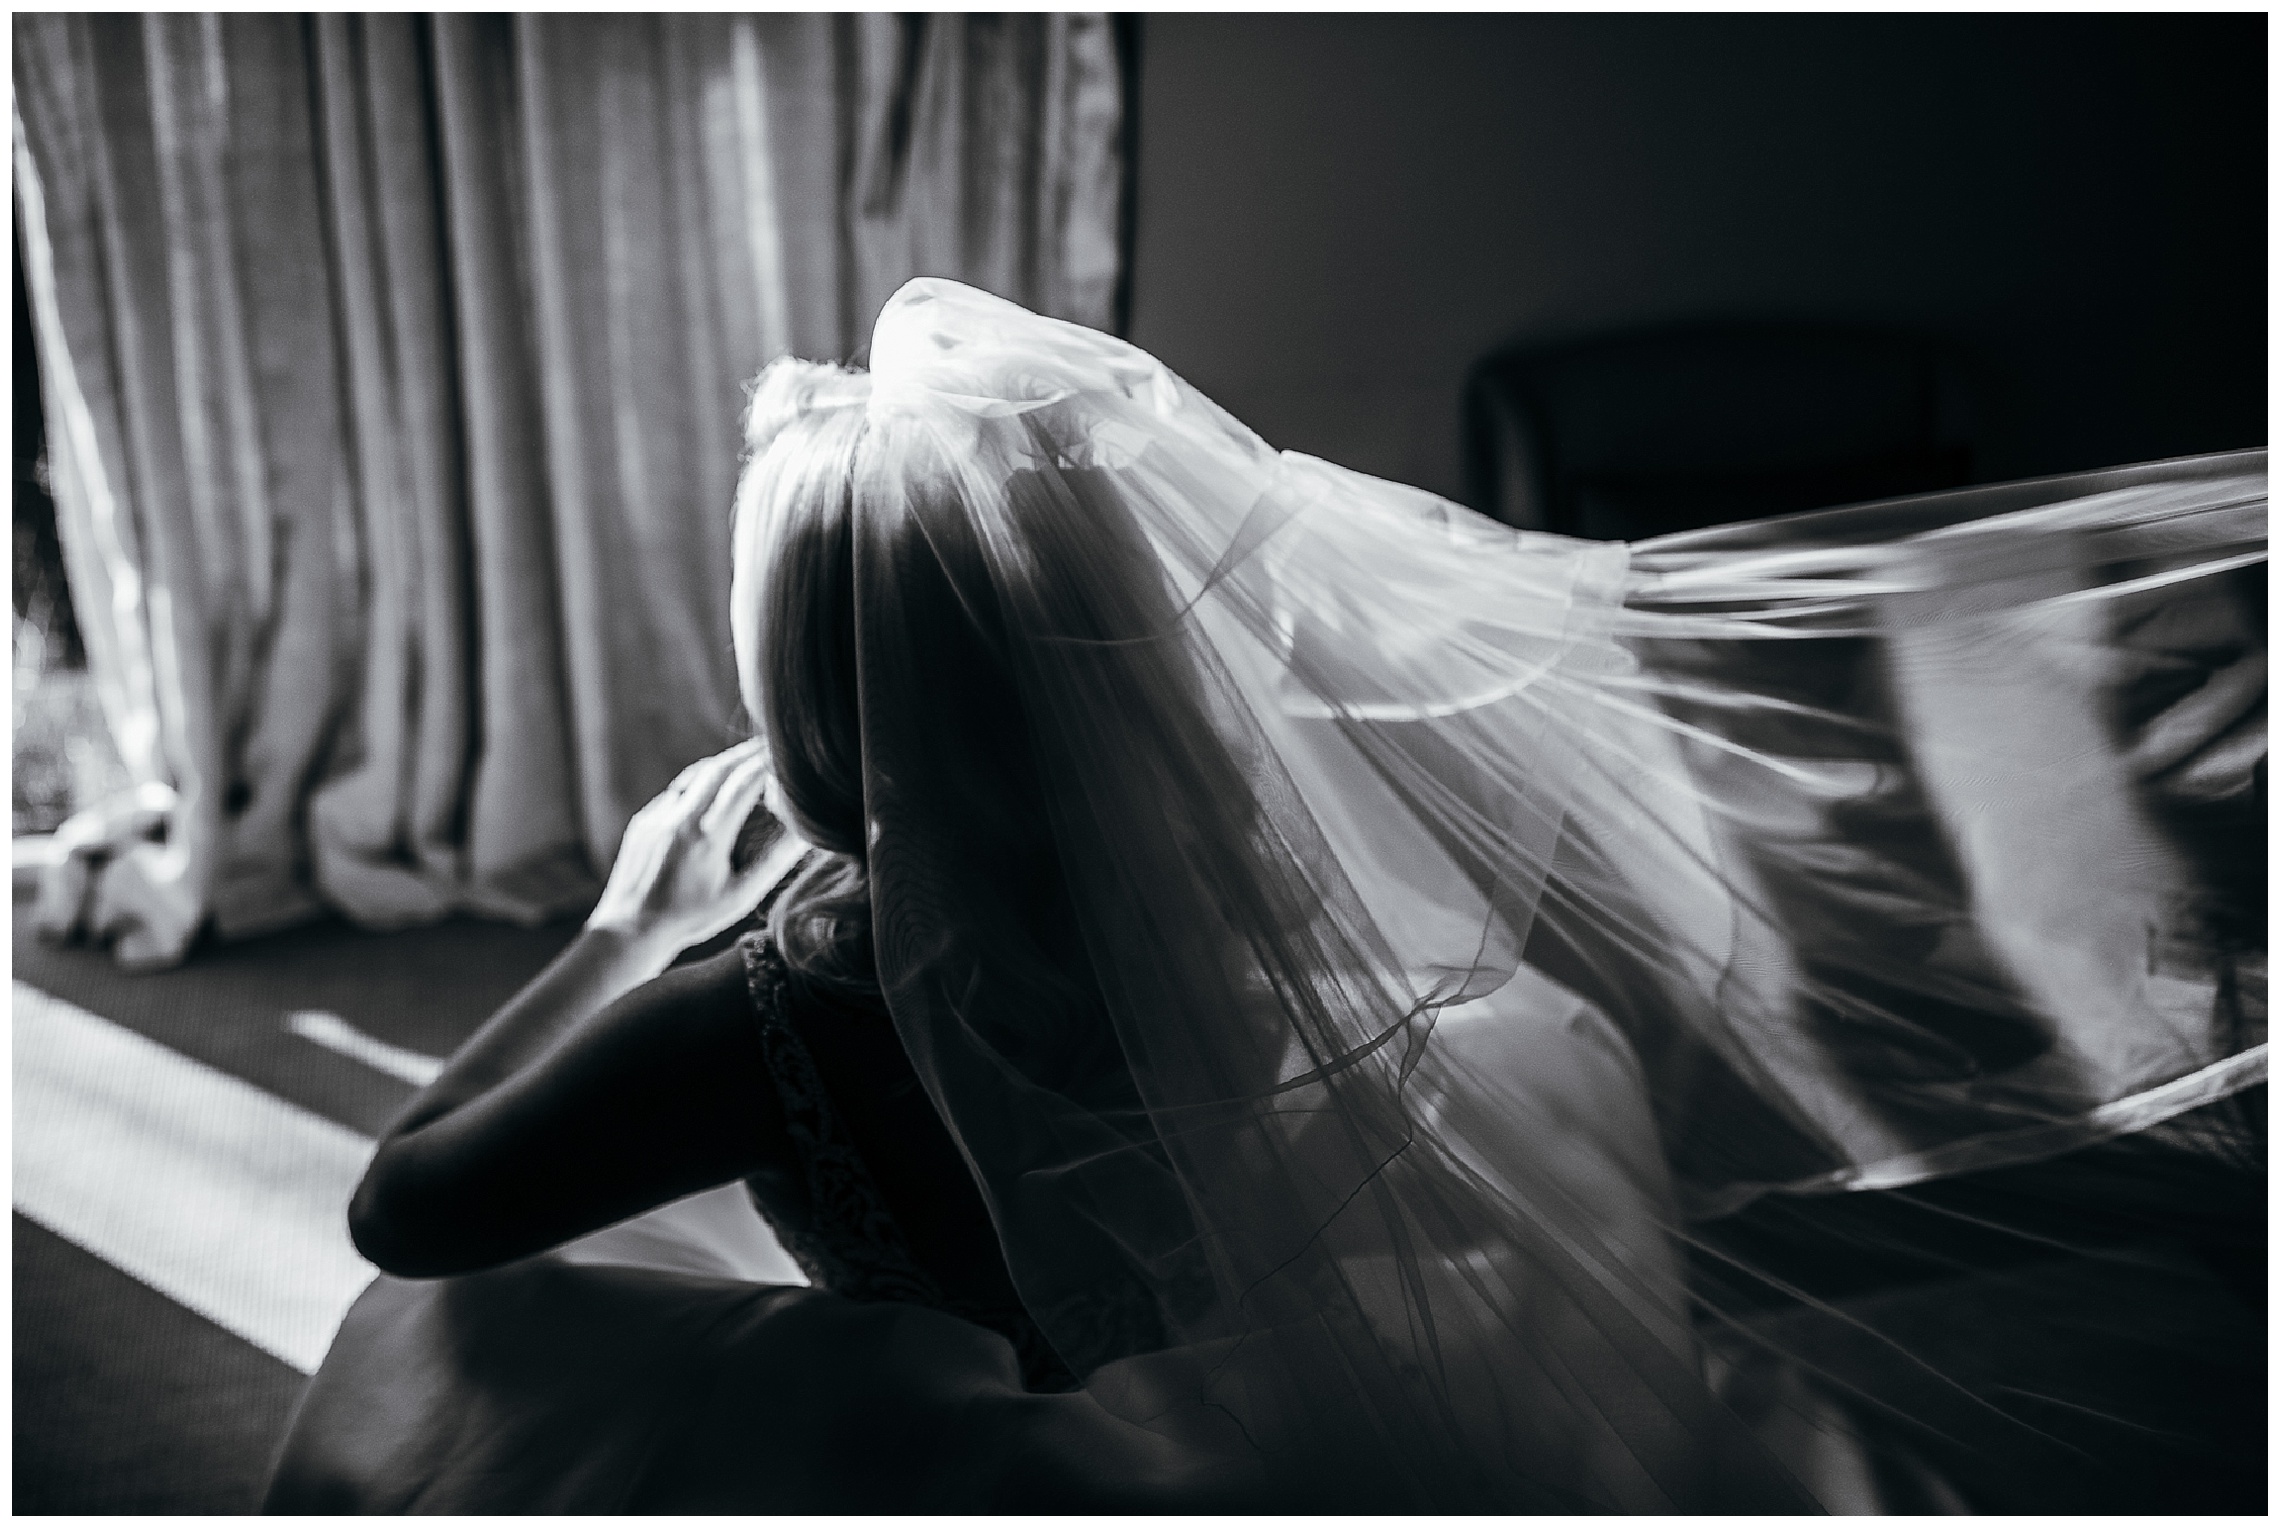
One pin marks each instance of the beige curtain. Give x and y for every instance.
(393, 368)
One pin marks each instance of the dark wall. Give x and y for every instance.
(1338, 214)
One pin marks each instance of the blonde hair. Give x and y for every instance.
(792, 614)
(848, 515)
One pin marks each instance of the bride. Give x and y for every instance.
(1272, 992)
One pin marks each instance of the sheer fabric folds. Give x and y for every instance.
(1359, 948)
(393, 367)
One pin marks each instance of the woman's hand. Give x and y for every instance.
(674, 884)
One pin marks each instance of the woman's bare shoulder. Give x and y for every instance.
(714, 974)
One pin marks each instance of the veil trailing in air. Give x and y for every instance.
(1364, 952)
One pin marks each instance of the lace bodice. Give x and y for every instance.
(833, 1216)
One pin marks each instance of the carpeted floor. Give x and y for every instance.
(126, 1400)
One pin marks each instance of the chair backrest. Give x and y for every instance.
(1634, 435)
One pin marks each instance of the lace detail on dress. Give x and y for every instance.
(848, 1241)
(841, 1231)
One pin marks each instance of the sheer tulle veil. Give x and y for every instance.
(1358, 947)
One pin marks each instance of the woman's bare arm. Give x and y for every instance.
(659, 1094)
(604, 1088)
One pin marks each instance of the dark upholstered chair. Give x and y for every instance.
(1634, 435)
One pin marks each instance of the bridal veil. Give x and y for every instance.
(1363, 952)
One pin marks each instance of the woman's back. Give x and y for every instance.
(873, 1199)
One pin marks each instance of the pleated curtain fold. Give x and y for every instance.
(393, 368)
